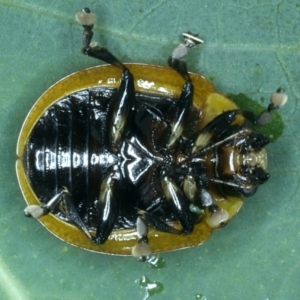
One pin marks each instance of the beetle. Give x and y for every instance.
(134, 159)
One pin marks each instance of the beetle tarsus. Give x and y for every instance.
(175, 62)
(142, 249)
(87, 20)
(277, 100)
(64, 198)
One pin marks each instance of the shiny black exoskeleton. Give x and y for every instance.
(104, 158)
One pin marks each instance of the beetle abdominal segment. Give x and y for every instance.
(115, 166)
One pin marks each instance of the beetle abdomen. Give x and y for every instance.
(67, 147)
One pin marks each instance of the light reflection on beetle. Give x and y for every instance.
(138, 159)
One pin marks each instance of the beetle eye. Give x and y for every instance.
(218, 218)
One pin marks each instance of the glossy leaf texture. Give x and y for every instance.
(251, 47)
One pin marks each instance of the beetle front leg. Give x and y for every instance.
(201, 141)
(277, 100)
(178, 203)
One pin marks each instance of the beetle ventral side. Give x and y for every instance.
(135, 159)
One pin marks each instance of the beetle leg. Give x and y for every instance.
(175, 62)
(178, 113)
(180, 208)
(277, 100)
(120, 110)
(142, 249)
(201, 141)
(151, 128)
(221, 123)
(107, 206)
(179, 204)
(158, 224)
(217, 217)
(87, 19)
(123, 103)
(64, 199)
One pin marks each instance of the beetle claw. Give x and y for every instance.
(85, 17)
(191, 39)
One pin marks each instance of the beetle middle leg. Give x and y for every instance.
(177, 114)
(177, 203)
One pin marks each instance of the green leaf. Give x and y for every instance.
(251, 47)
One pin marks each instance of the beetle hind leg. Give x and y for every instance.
(108, 206)
(87, 19)
(123, 102)
(64, 199)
